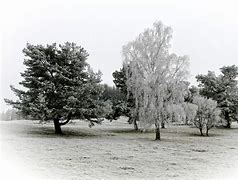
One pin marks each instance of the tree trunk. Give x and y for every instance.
(135, 124)
(57, 126)
(157, 131)
(207, 132)
(162, 125)
(186, 121)
(228, 121)
(201, 131)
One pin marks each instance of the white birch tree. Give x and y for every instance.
(155, 76)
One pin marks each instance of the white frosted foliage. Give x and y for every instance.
(155, 76)
(207, 113)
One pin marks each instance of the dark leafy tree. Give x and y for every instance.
(120, 81)
(191, 93)
(127, 106)
(58, 85)
(113, 97)
(111, 93)
(224, 90)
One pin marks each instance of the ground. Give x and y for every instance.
(114, 151)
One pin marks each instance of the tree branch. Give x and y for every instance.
(67, 120)
(91, 122)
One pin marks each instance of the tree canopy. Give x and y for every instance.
(58, 84)
(114, 100)
(207, 114)
(224, 90)
(155, 76)
(128, 105)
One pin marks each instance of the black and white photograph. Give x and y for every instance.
(119, 90)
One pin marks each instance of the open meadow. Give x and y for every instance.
(114, 151)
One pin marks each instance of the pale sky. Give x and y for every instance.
(205, 30)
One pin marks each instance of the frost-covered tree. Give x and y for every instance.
(190, 111)
(155, 76)
(224, 90)
(175, 113)
(58, 84)
(207, 114)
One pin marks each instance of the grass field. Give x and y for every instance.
(114, 151)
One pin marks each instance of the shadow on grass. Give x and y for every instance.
(130, 130)
(123, 130)
(204, 136)
(148, 135)
(47, 132)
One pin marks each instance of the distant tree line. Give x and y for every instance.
(10, 114)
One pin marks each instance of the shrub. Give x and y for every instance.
(207, 114)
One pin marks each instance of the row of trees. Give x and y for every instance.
(10, 114)
(223, 89)
(197, 108)
(155, 82)
(151, 87)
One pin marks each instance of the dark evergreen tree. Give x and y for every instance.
(224, 90)
(111, 93)
(128, 104)
(120, 81)
(58, 85)
(112, 97)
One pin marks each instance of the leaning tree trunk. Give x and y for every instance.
(133, 120)
(157, 131)
(57, 126)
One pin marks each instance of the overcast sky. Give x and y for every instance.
(205, 30)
